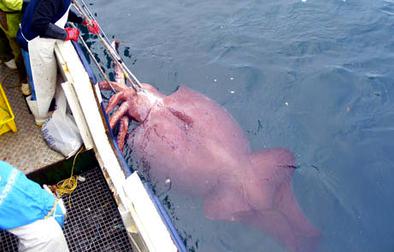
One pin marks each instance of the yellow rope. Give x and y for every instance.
(67, 186)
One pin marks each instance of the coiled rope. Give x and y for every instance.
(68, 186)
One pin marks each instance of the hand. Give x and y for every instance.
(92, 26)
(72, 33)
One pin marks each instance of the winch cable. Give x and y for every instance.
(85, 12)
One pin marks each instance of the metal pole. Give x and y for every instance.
(84, 11)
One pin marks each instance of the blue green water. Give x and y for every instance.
(313, 76)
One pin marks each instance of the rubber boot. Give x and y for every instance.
(34, 110)
(25, 88)
(11, 64)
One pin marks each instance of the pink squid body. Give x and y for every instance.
(190, 140)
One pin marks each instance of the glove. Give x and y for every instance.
(92, 26)
(72, 33)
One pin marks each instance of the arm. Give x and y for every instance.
(41, 22)
(55, 32)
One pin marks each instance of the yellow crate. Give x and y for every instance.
(7, 117)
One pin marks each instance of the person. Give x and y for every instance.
(5, 50)
(10, 17)
(42, 24)
(31, 213)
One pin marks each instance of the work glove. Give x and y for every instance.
(92, 26)
(72, 33)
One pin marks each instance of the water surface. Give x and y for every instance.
(313, 76)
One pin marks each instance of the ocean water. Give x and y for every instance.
(312, 76)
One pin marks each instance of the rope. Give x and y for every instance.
(67, 186)
(53, 209)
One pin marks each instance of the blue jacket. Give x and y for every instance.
(22, 201)
(40, 17)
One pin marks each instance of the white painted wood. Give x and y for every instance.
(145, 216)
(78, 115)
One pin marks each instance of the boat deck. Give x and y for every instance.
(93, 222)
(25, 149)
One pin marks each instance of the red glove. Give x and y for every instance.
(92, 26)
(72, 33)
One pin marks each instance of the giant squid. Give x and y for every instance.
(189, 139)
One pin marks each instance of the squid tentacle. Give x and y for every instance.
(115, 100)
(104, 85)
(124, 125)
(118, 114)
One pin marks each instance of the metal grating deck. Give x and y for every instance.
(8, 242)
(24, 149)
(93, 222)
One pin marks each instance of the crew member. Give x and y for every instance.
(5, 51)
(10, 18)
(42, 24)
(31, 213)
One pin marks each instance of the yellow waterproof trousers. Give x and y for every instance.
(10, 18)
(9, 23)
(5, 50)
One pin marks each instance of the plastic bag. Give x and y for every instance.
(60, 131)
